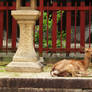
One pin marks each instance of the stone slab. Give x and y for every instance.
(24, 67)
(65, 83)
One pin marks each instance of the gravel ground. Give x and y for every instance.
(44, 74)
(24, 75)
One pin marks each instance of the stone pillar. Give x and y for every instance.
(25, 59)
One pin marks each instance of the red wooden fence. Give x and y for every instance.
(58, 34)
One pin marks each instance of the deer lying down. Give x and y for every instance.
(65, 68)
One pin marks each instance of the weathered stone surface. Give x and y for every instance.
(71, 90)
(25, 58)
(8, 90)
(57, 83)
(41, 90)
(24, 67)
(87, 90)
(26, 20)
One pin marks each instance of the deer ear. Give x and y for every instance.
(86, 49)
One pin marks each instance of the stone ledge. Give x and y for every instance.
(42, 90)
(24, 67)
(67, 83)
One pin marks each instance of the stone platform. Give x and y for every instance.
(43, 82)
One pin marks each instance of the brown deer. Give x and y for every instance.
(65, 68)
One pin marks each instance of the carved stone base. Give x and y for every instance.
(25, 58)
(24, 67)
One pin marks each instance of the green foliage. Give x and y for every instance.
(45, 22)
(49, 21)
(2, 68)
(37, 34)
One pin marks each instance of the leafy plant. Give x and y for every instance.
(47, 19)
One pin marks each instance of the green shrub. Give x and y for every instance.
(49, 31)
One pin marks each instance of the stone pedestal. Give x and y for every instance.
(25, 59)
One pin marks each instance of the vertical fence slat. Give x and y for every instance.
(89, 24)
(75, 25)
(34, 37)
(54, 27)
(14, 30)
(47, 23)
(82, 25)
(1, 26)
(61, 24)
(41, 28)
(68, 27)
(7, 27)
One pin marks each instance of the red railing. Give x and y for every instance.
(81, 9)
(6, 27)
(68, 31)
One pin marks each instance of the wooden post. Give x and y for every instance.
(1, 25)
(54, 27)
(82, 25)
(33, 4)
(18, 4)
(68, 27)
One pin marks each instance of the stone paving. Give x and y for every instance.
(44, 74)
(24, 75)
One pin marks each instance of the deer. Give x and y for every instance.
(72, 67)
